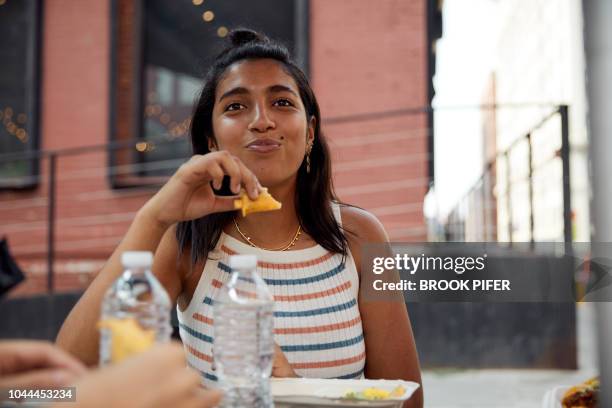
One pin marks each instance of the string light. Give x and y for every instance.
(208, 16)
(144, 147)
(222, 31)
(11, 127)
(2, 2)
(22, 135)
(195, 2)
(174, 128)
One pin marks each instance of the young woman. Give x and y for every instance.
(257, 120)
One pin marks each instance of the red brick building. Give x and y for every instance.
(370, 63)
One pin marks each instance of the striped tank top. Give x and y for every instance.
(317, 323)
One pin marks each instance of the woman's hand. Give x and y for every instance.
(281, 366)
(36, 364)
(188, 194)
(136, 383)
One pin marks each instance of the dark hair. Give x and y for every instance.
(314, 190)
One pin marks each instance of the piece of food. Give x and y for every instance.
(265, 202)
(374, 394)
(127, 337)
(398, 392)
(584, 395)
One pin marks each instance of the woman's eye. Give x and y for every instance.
(233, 107)
(283, 102)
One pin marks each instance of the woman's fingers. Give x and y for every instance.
(213, 166)
(201, 399)
(23, 355)
(232, 169)
(216, 174)
(223, 204)
(42, 378)
(188, 194)
(178, 387)
(249, 180)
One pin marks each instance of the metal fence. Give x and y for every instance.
(502, 205)
(82, 199)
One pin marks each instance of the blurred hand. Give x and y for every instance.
(156, 378)
(36, 364)
(188, 194)
(280, 365)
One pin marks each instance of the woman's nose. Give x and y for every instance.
(262, 121)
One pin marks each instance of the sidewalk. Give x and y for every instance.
(512, 388)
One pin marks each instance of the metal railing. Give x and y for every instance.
(112, 170)
(50, 181)
(46, 199)
(481, 190)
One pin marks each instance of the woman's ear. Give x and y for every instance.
(212, 145)
(312, 124)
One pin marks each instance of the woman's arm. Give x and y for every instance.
(186, 196)
(79, 334)
(390, 349)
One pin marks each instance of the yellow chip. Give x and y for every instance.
(265, 202)
(127, 338)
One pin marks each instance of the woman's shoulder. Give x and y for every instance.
(362, 224)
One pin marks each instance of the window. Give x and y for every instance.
(19, 22)
(163, 49)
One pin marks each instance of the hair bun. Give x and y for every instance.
(242, 36)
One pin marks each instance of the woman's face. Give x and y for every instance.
(259, 117)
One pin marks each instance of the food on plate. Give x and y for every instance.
(584, 395)
(128, 338)
(265, 202)
(373, 394)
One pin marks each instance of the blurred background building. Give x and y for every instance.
(535, 65)
(95, 104)
(96, 98)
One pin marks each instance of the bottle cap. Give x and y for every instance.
(243, 261)
(137, 259)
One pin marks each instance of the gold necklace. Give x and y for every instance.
(248, 239)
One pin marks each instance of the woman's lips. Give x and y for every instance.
(264, 146)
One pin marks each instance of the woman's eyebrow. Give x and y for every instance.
(234, 91)
(243, 91)
(281, 88)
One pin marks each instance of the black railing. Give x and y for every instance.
(483, 186)
(137, 167)
(134, 167)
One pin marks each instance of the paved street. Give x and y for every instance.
(511, 388)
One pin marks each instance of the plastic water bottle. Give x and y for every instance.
(243, 336)
(137, 295)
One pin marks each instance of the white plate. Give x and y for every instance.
(553, 398)
(330, 393)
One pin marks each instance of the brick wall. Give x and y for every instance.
(365, 57)
(372, 57)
